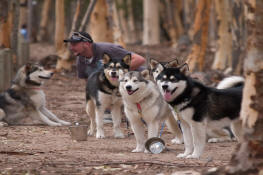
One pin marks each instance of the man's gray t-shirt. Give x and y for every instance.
(87, 66)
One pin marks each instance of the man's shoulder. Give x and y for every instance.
(105, 45)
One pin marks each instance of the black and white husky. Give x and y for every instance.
(143, 100)
(24, 102)
(102, 92)
(201, 106)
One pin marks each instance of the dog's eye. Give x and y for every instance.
(126, 80)
(135, 81)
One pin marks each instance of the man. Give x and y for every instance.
(89, 54)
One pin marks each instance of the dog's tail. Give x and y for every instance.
(230, 82)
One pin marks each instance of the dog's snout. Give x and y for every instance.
(165, 87)
(129, 87)
(113, 73)
(52, 73)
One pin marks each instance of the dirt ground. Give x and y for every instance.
(50, 150)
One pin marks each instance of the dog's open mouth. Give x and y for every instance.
(130, 92)
(168, 94)
(114, 78)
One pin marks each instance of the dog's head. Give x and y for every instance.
(172, 82)
(157, 67)
(31, 75)
(113, 66)
(132, 82)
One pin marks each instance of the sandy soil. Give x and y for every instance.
(50, 150)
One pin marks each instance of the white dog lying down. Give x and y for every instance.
(24, 102)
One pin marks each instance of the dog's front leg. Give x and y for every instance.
(153, 128)
(52, 116)
(90, 109)
(2, 116)
(137, 127)
(116, 117)
(199, 138)
(99, 122)
(46, 120)
(188, 139)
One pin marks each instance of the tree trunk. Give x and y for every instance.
(199, 34)
(239, 36)
(223, 56)
(99, 27)
(23, 13)
(188, 14)
(5, 28)
(114, 23)
(178, 6)
(151, 27)
(44, 21)
(63, 62)
(248, 158)
(87, 15)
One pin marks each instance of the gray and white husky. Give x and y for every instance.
(102, 92)
(143, 100)
(201, 106)
(24, 102)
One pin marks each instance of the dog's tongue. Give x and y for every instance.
(167, 95)
(114, 78)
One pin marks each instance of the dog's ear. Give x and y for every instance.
(106, 58)
(172, 64)
(184, 68)
(127, 59)
(145, 74)
(153, 63)
(28, 67)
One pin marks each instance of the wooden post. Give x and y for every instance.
(23, 51)
(6, 69)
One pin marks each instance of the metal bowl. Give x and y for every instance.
(155, 145)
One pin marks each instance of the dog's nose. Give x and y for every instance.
(128, 88)
(113, 73)
(52, 73)
(165, 87)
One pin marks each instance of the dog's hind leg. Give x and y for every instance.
(52, 116)
(153, 129)
(236, 127)
(188, 139)
(173, 126)
(90, 109)
(116, 118)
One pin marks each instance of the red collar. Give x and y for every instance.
(139, 108)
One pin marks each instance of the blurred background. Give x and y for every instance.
(208, 35)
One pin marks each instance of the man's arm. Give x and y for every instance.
(136, 61)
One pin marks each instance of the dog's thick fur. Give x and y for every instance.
(142, 100)
(213, 135)
(200, 106)
(102, 92)
(24, 102)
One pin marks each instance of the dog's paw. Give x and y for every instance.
(91, 132)
(181, 155)
(3, 124)
(193, 156)
(138, 150)
(119, 135)
(177, 141)
(146, 151)
(100, 135)
(65, 123)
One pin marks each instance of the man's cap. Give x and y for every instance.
(79, 37)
